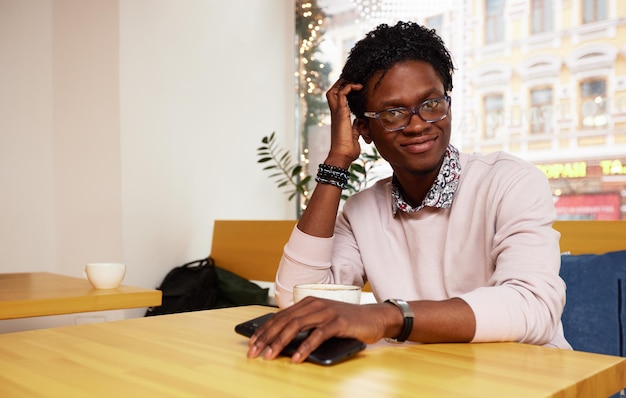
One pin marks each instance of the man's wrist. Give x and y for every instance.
(408, 315)
(338, 161)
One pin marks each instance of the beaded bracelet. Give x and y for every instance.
(334, 171)
(332, 175)
(338, 184)
(328, 176)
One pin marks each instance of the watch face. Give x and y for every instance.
(404, 307)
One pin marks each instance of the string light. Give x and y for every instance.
(312, 75)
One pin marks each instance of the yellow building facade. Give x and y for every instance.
(553, 92)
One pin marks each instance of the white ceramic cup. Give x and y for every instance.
(105, 275)
(345, 293)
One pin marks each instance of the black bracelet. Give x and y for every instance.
(338, 184)
(332, 175)
(329, 177)
(333, 170)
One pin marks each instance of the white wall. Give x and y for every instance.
(27, 213)
(127, 128)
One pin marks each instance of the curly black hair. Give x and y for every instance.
(384, 47)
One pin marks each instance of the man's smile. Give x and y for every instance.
(420, 144)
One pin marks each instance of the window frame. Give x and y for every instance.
(494, 21)
(542, 16)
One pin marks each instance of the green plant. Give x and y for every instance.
(360, 169)
(285, 172)
(288, 174)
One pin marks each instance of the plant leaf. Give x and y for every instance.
(357, 168)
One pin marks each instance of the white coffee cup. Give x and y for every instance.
(105, 275)
(345, 293)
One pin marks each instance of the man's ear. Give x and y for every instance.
(362, 127)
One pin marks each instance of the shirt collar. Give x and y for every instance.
(442, 191)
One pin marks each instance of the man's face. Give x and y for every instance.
(419, 148)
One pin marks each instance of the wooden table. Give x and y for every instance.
(24, 295)
(198, 354)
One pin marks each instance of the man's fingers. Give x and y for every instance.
(315, 339)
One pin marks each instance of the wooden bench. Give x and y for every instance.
(591, 237)
(595, 276)
(253, 249)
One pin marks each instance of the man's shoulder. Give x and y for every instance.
(501, 167)
(499, 160)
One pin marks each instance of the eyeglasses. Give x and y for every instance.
(394, 119)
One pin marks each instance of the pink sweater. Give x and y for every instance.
(495, 248)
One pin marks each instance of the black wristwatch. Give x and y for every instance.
(408, 315)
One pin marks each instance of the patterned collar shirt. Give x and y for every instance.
(442, 191)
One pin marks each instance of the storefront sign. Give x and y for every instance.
(612, 167)
(579, 169)
(564, 170)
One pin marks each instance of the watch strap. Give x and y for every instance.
(407, 326)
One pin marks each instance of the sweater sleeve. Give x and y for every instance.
(308, 259)
(309, 263)
(524, 298)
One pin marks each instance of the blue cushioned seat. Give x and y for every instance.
(594, 315)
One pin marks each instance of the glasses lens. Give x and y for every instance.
(434, 110)
(430, 111)
(394, 119)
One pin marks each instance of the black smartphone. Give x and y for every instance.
(330, 352)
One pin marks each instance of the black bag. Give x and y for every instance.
(190, 287)
(235, 290)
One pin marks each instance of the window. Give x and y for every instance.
(594, 10)
(494, 115)
(593, 103)
(541, 16)
(542, 79)
(494, 21)
(540, 118)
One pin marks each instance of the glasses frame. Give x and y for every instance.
(412, 111)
